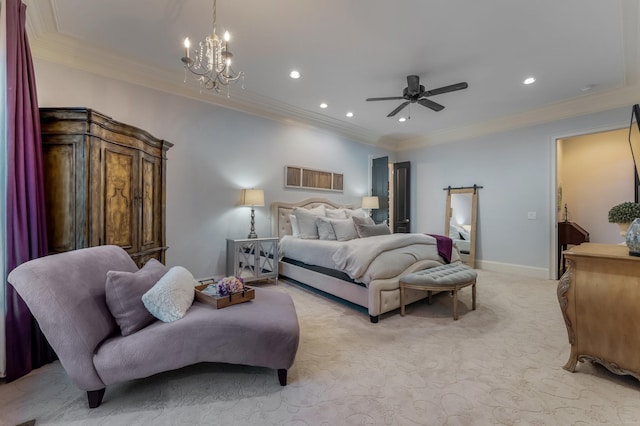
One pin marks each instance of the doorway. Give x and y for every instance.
(593, 173)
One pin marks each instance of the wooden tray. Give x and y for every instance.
(220, 302)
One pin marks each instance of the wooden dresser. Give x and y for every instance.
(104, 183)
(599, 296)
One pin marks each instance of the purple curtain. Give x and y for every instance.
(26, 221)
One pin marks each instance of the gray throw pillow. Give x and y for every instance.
(124, 292)
(365, 231)
(359, 220)
(344, 229)
(325, 228)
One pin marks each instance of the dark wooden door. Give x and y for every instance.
(380, 188)
(401, 197)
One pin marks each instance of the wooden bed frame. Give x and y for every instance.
(379, 297)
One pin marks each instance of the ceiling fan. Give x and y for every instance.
(414, 92)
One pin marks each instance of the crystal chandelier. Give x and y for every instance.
(211, 62)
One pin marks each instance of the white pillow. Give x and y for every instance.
(344, 229)
(171, 297)
(336, 213)
(317, 210)
(295, 230)
(357, 212)
(306, 219)
(325, 228)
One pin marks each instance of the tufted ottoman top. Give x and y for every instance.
(444, 275)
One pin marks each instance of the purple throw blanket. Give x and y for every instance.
(445, 246)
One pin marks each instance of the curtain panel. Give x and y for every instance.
(3, 185)
(26, 221)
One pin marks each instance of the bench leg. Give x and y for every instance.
(473, 296)
(429, 294)
(401, 300)
(455, 304)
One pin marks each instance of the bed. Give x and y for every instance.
(335, 267)
(461, 239)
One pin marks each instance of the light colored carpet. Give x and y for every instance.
(501, 364)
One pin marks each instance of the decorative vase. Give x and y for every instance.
(633, 238)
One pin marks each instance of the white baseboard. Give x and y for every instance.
(510, 268)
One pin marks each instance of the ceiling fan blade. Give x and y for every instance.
(446, 89)
(413, 84)
(397, 110)
(393, 98)
(430, 104)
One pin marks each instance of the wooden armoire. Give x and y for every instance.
(104, 184)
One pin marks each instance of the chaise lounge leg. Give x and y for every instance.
(95, 397)
(282, 376)
(374, 318)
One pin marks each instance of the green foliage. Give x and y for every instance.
(624, 212)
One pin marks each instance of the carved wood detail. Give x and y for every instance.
(563, 287)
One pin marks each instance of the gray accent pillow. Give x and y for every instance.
(325, 228)
(124, 292)
(171, 297)
(344, 229)
(365, 231)
(307, 222)
(358, 220)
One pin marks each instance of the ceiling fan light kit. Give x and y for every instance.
(416, 93)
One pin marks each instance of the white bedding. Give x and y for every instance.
(365, 259)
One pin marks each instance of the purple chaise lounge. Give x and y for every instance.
(66, 294)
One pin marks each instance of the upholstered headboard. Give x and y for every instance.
(280, 223)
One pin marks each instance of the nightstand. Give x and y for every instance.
(253, 259)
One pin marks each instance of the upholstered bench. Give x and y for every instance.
(451, 277)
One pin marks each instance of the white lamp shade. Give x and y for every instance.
(370, 203)
(252, 197)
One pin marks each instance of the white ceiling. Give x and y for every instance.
(349, 50)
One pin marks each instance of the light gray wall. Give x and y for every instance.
(216, 153)
(517, 171)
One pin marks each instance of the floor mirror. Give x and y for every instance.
(461, 221)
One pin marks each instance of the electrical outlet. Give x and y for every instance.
(531, 215)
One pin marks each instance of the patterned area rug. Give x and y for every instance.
(501, 364)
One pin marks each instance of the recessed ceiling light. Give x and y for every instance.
(294, 74)
(402, 119)
(349, 114)
(323, 105)
(529, 80)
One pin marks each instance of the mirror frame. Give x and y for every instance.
(474, 215)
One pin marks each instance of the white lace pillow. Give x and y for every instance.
(171, 297)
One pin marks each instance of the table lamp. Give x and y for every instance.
(252, 198)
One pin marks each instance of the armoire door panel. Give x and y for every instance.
(120, 197)
(150, 219)
(59, 171)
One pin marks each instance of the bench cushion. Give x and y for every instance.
(445, 276)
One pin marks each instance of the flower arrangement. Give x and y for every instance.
(229, 285)
(624, 212)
